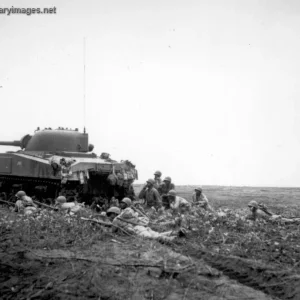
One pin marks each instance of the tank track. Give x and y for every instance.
(44, 190)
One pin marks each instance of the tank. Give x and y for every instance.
(60, 161)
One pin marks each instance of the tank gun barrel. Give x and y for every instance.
(21, 143)
(11, 143)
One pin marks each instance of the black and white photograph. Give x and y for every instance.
(150, 149)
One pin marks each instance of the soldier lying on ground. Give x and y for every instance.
(24, 204)
(199, 199)
(132, 222)
(260, 211)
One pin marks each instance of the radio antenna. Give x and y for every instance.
(84, 85)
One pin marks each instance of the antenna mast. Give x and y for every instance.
(84, 102)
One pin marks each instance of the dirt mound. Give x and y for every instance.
(115, 269)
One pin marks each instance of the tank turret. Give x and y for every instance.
(49, 140)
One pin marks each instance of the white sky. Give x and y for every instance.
(206, 91)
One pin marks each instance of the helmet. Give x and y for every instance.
(172, 193)
(199, 189)
(168, 179)
(127, 201)
(152, 181)
(20, 194)
(158, 173)
(115, 210)
(61, 199)
(253, 204)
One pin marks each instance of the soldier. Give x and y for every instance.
(113, 212)
(125, 203)
(24, 203)
(181, 222)
(132, 223)
(97, 204)
(199, 199)
(176, 201)
(164, 189)
(150, 195)
(259, 211)
(157, 179)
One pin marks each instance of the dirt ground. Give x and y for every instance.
(54, 258)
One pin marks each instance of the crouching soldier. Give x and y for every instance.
(200, 200)
(150, 195)
(175, 201)
(157, 179)
(24, 204)
(164, 189)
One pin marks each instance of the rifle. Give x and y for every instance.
(44, 205)
(105, 224)
(7, 202)
(139, 211)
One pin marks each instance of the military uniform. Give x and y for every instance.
(25, 205)
(163, 190)
(201, 200)
(157, 179)
(178, 202)
(151, 197)
(158, 182)
(129, 221)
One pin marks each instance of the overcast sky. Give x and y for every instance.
(206, 91)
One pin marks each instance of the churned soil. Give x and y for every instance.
(53, 257)
(122, 268)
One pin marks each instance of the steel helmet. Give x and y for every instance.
(20, 194)
(172, 193)
(158, 173)
(127, 201)
(152, 181)
(168, 179)
(253, 204)
(199, 189)
(115, 210)
(61, 199)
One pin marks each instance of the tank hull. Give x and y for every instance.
(46, 175)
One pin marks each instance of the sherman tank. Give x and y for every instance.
(60, 161)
